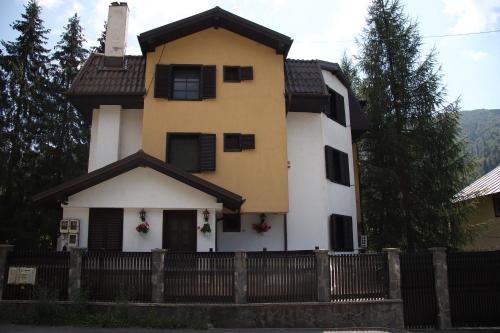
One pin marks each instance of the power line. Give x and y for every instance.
(423, 37)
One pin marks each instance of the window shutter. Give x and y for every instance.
(339, 108)
(246, 73)
(247, 141)
(208, 81)
(114, 233)
(329, 162)
(344, 169)
(163, 81)
(333, 241)
(207, 152)
(348, 243)
(105, 228)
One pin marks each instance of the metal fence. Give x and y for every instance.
(199, 277)
(359, 277)
(281, 276)
(418, 291)
(474, 288)
(117, 276)
(51, 277)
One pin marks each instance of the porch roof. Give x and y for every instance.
(61, 192)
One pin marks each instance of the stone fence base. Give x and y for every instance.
(368, 314)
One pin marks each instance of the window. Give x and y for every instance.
(341, 236)
(336, 109)
(234, 142)
(192, 152)
(496, 205)
(237, 73)
(231, 223)
(337, 166)
(185, 82)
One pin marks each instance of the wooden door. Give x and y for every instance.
(179, 230)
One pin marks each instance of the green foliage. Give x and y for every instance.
(481, 128)
(101, 40)
(412, 159)
(44, 139)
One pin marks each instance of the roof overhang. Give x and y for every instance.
(86, 103)
(214, 18)
(61, 192)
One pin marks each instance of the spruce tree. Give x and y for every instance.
(412, 159)
(25, 65)
(101, 40)
(65, 148)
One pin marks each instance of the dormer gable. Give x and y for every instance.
(214, 18)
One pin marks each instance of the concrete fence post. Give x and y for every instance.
(158, 275)
(240, 277)
(75, 273)
(323, 275)
(4, 249)
(441, 285)
(394, 272)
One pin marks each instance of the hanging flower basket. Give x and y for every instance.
(143, 227)
(261, 227)
(205, 228)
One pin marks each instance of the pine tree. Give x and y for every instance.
(25, 66)
(65, 148)
(412, 160)
(351, 73)
(101, 40)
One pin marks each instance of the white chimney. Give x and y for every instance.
(116, 34)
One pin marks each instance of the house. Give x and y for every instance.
(216, 140)
(486, 217)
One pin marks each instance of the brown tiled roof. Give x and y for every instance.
(304, 77)
(139, 159)
(96, 80)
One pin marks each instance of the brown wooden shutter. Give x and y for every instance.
(163, 81)
(329, 162)
(339, 108)
(344, 169)
(246, 73)
(105, 229)
(208, 86)
(247, 141)
(347, 236)
(207, 152)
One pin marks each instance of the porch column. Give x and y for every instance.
(240, 277)
(441, 285)
(394, 272)
(158, 275)
(323, 275)
(4, 250)
(75, 273)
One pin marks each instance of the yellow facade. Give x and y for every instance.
(249, 107)
(487, 224)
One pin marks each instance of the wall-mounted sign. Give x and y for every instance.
(21, 275)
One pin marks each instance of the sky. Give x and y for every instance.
(322, 29)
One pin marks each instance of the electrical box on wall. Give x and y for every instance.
(64, 226)
(69, 234)
(74, 226)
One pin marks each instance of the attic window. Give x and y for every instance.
(235, 142)
(336, 111)
(186, 83)
(238, 73)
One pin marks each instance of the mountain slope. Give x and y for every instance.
(482, 130)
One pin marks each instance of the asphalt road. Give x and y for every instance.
(66, 329)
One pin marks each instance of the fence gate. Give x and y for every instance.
(418, 292)
(474, 287)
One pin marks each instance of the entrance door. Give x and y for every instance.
(179, 230)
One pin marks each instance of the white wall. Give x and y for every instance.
(115, 134)
(134, 241)
(250, 240)
(312, 197)
(143, 188)
(130, 132)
